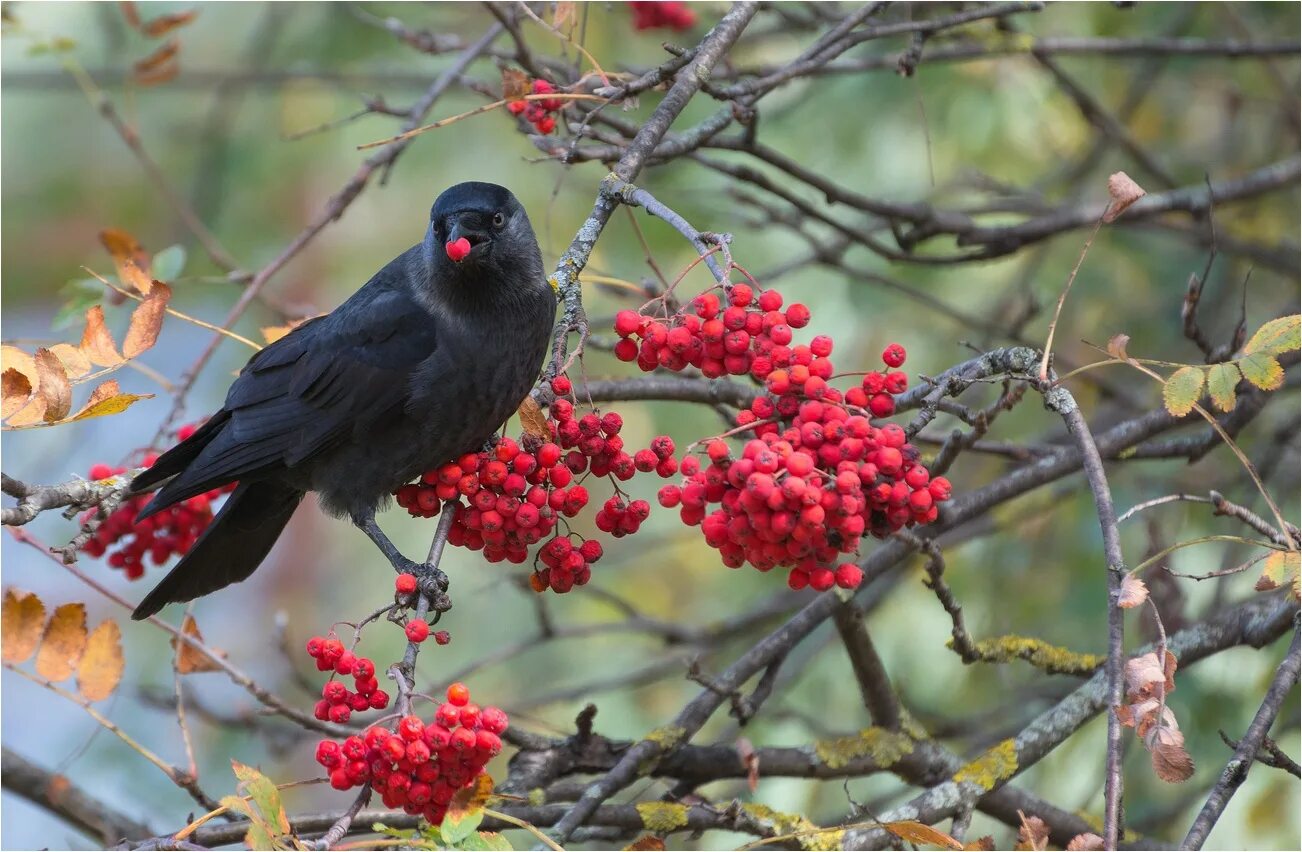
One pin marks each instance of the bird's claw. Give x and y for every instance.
(431, 582)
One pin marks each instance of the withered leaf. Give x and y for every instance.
(533, 420)
(73, 359)
(917, 832)
(147, 320)
(1087, 842)
(164, 24)
(984, 843)
(1033, 834)
(165, 53)
(54, 385)
(130, 14)
(1124, 192)
(515, 83)
(1171, 761)
(63, 642)
(646, 843)
(750, 760)
(21, 618)
(15, 392)
(129, 257)
(190, 660)
(100, 669)
(13, 358)
(1133, 592)
(97, 342)
(1117, 346)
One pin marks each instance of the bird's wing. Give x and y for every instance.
(338, 376)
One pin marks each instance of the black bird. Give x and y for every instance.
(422, 364)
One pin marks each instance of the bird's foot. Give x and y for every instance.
(431, 582)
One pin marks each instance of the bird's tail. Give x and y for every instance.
(232, 547)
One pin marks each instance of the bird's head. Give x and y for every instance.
(479, 227)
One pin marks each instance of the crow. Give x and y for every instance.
(422, 364)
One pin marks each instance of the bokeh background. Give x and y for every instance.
(254, 74)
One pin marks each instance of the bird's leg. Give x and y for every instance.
(433, 581)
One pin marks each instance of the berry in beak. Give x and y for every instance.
(458, 249)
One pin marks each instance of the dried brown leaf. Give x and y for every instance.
(73, 359)
(1117, 346)
(646, 843)
(471, 798)
(130, 14)
(1033, 834)
(984, 843)
(1087, 842)
(515, 83)
(164, 24)
(63, 642)
(97, 342)
(21, 618)
(1143, 674)
(54, 385)
(1172, 763)
(190, 660)
(1133, 592)
(157, 78)
(13, 358)
(533, 420)
(1124, 192)
(30, 414)
(100, 669)
(917, 832)
(562, 15)
(15, 392)
(165, 53)
(129, 256)
(750, 760)
(147, 320)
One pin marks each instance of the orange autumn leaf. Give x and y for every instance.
(147, 320)
(54, 385)
(129, 257)
(190, 660)
(15, 392)
(164, 24)
(917, 832)
(97, 342)
(21, 618)
(100, 669)
(63, 642)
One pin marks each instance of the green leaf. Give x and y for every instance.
(1276, 336)
(264, 794)
(458, 825)
(1281, 570)
(77, 296)
(1262, 370)
(259, 835)
(1221, 381)
(1183, 390)
(485, 841)
(169, 263)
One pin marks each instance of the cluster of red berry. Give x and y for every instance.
(337, 702)
(673, 15)
(747, 335)
(422, 765)
(818, 474)
(518, 491)
(172, 531)
(539, 112)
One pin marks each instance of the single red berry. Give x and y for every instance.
(405, 584)
(893, 355)
(458, 249)
(442, 637)
(458, 695)
(417, 630)
(561, 386)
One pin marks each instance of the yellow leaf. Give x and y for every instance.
(73, 359)
(916, 832)
(63, 643)
(147, 320)
(103, 403)
(188, 659)
(15, 392)
(54, 385)
(533, 420)
(21, 619)
(129, 257)
(1277, 336)
(1182, 391)
(1221, 382)
(100, 669)
(96, 341)
(1281, 569)
(1262, 370)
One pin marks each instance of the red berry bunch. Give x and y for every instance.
(337, 702)
(172, 531)
(518, 492)
(539, 112)
(744, 335)
(818, 473)
(421, 765)
(663, 13)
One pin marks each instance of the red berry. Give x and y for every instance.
(405, 584)
(417, 630)
(442, 637)
(458, 695)
(561, 386)
(893, 355)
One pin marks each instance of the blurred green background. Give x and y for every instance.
(253, 74)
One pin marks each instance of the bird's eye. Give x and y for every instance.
(498, 219)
